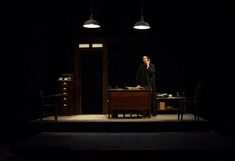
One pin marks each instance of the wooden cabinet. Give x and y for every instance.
(65, 86)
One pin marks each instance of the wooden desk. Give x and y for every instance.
(178, 100)
(129, 100)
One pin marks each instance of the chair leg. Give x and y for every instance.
(196, 116)
(180, 115)
(181, 111)
(56, 114)
(196, 112)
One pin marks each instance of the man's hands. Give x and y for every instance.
(138, 87)
(148, 62)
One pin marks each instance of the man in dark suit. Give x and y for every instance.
(146, 78)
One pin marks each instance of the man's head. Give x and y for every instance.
(146, 59)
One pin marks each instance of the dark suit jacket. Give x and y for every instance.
(146, 77)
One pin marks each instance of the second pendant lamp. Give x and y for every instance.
(141, 24)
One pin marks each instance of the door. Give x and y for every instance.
(91, 82)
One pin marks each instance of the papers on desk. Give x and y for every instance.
(162, 94)
(135, 88)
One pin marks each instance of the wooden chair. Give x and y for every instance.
(49, 105)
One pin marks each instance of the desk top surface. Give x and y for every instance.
(128, 90)
(170, 98)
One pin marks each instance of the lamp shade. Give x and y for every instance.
(91, 23)
(141, 24)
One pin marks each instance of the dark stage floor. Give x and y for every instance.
(87, 137)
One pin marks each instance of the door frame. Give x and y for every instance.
(79, 46)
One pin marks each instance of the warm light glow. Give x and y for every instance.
(141, 27)
(91, 25)
(84, 45)
(97, 45)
